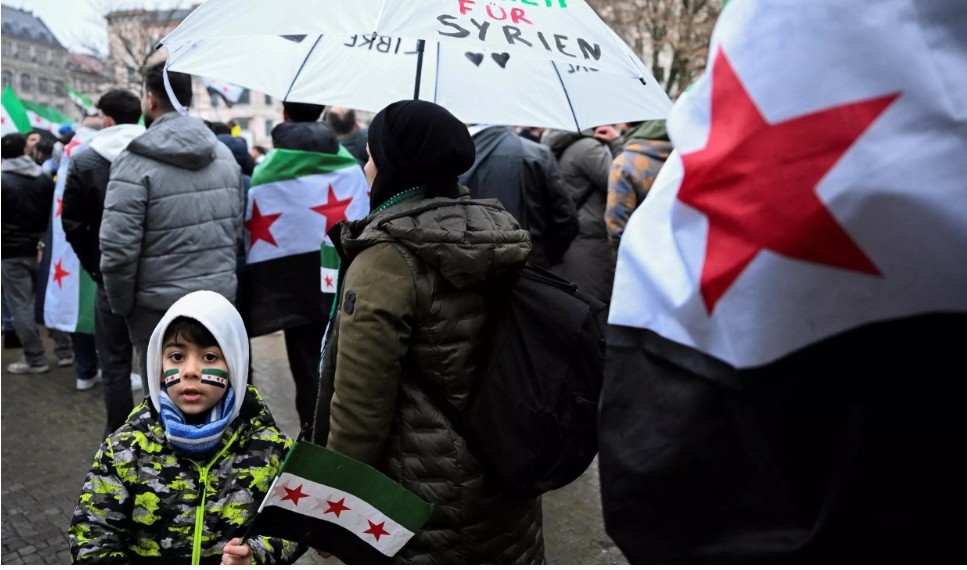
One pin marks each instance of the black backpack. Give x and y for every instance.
(534, 408)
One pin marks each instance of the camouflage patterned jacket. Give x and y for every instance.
(632, 174)
(143, 503)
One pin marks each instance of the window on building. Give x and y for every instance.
(269, 123)
(25, 85)
(133, 75)
(7, 78)
(40, 55)
(268, 99)
(59, 89)
(41, 85)
(242, 123)
(245, 98)
(215, 97)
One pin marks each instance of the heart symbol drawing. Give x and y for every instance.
(476, 58)
(501, 59)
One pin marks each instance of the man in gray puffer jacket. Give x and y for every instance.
(173, 214)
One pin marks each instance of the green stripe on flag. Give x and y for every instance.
(329, 258)
(338, 471)
(85, 309)
(215, 372)
(288, 164)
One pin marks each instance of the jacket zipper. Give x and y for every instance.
(200, 509)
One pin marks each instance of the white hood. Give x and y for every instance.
(111, 141)
(223, 321)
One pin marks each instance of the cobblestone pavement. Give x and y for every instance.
(50, 433)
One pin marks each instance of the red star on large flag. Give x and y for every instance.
(337, 507)
(294, 494)
(756, 182)
(376, 530)
(334, 209)
(258, 226)
(60, 273)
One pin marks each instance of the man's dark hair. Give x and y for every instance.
(44, 148)
(261, 149)
(303, 112)
(121, 105)
(220, 128)
(342, 124)
(14, 145)
(154, 82)
(190, 330)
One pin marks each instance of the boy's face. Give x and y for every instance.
(191, 395)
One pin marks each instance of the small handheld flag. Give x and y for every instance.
(330, 502)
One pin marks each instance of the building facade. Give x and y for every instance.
(34, 62)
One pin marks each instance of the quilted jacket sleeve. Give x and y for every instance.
(122, 233)
(97, 532)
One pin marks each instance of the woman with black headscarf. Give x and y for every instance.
(409, 319)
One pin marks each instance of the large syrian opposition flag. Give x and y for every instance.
(295, 199)
(333, 503)
(69, 300)
(790, 301)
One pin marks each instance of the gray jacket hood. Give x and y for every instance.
(466, 241)
(22, 165)
(221, 318)
(559, 140)
(178, 140)
(111, 141)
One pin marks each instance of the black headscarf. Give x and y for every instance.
(418, 143)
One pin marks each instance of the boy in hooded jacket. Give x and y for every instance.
(187, 472)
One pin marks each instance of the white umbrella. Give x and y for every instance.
(368, 72)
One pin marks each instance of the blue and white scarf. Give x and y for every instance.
(196, 439)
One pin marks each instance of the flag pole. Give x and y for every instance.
(419, 67)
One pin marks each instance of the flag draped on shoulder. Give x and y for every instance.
(70, 290)
(780, 376)
(296, 197)
(333, 503)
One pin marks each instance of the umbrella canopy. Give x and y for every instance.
(563, 30)
(368, 72)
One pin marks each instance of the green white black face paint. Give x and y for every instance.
(215, 377)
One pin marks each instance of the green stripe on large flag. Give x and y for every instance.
(286, 164)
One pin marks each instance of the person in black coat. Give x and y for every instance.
(524, 176)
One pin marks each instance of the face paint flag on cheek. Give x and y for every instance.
(172, 377)
(215, 377)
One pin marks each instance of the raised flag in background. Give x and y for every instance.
(336, 504)
(295, 199)
(69, 299)
(230, 92)
(14, 118)
(784, 379)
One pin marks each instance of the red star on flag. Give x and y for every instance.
(376, 530)
(294, 494)
(258, 226)
(756, 182)
(71, 147)
(60, 273)
(334, 209)
(328, 281)
(337, 507)
(60, 207)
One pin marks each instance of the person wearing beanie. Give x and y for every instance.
(185, 475)
(410, 313)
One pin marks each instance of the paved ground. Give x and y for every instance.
(50, 433)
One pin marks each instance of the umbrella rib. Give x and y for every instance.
(301, 67)
(577, 126)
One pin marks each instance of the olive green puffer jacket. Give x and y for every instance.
(410, 313)
(144, 504)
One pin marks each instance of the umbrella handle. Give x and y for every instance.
(419, 67)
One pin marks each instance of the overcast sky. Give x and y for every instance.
(78, 23)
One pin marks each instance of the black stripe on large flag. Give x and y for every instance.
(849, 451)
(283, 293)
(317, 534)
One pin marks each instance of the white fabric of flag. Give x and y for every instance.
(723, 265)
